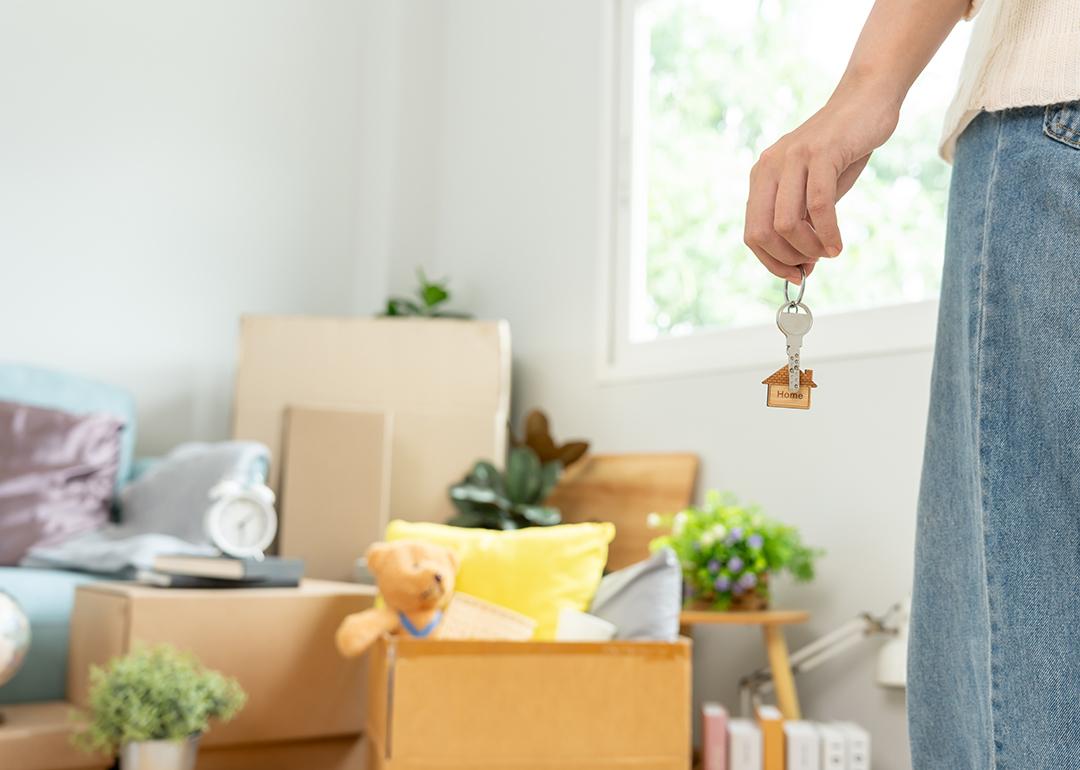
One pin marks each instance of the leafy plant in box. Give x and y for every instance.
(489, 499)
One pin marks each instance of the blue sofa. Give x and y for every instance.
(47, 596)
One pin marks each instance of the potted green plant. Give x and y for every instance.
(152, 705)
(729, 552)
(489, 499)
(431, 296)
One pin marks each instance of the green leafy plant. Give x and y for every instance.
(728, 552)
(154, 693)
(429, 301)
(489, 499)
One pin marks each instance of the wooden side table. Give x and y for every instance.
(772, 623)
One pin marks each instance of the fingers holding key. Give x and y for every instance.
(790, 211)
(778, 268)
(760, 234)
(821, 183)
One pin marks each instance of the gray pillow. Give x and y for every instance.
(644, 599)
(57, 474)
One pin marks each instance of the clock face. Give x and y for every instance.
(242, 525)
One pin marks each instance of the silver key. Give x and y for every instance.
(794, 325)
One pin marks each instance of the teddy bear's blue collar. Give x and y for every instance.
(420, 633)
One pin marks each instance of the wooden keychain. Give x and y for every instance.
(788, 387)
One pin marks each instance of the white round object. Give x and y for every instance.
(242, 522)
(14, 636)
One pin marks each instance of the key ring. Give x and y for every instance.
(802, 288)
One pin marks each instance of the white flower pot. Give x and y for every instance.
(160, 755)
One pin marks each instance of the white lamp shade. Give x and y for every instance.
(892, 658)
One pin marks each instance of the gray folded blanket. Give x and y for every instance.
(160, 512)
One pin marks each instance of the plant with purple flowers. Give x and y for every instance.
(728, 552)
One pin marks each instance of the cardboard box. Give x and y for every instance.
(278, 642)
(471, 705)
(446, 383)
(37, 736)
(335, 488)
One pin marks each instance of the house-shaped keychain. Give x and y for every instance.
(779, 395)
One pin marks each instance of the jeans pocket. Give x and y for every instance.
(1061, 122)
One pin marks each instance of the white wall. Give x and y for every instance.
(519, 89)
(167, 166)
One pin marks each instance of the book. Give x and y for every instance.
(802, 745)
(858, 745)
(166, 580)
(772, 737)
(833, 747)
(228, 568)
(714, 739)
(744, 745)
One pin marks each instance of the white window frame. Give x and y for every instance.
(886, 330)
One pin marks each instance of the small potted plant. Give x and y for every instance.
(729, 552)
(489, 499)
(431, 296)
(152, 706)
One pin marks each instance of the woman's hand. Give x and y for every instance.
(794, 186)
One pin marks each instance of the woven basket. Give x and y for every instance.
(467, 617)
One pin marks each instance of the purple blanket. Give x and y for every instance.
(57, 475)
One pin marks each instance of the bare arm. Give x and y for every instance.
(794, 186)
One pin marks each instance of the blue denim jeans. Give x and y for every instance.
(994, 656)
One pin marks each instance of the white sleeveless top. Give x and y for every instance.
(1023, 53)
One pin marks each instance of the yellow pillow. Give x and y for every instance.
(536, 571)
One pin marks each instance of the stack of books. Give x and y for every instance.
(222, 572)
(770, 743)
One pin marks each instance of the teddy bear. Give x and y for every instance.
(415, 580)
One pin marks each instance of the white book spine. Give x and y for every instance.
(802, 746)
(833, 748)
(858, 746)
(744, 745)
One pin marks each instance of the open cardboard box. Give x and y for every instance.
(492, 705)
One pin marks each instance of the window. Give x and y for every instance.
(704, 87)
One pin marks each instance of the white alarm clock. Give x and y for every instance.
(241, 520)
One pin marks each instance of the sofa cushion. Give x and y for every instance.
(536, 571)
(47, 597)
(643, 600)
(57, 472)
(57, 390)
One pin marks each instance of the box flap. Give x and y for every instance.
(335, 489)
